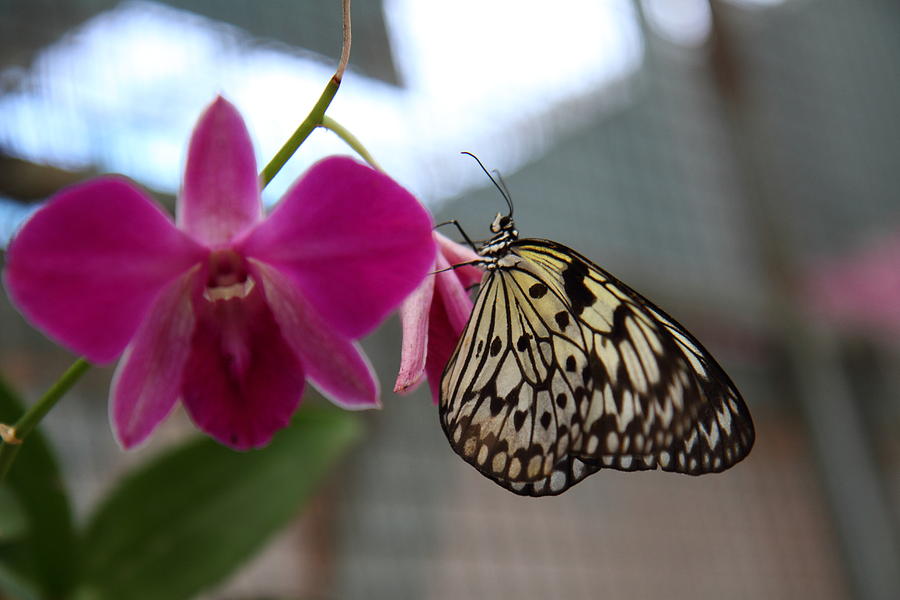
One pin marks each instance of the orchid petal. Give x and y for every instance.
(88, 265)
(450, 312)
(351, 239)
(433, 320)
(148, 379)
(334, 364)
(454, 296)
(220, 198)
(414, 321)
(457, 254)
(242, 382)
(441, 344)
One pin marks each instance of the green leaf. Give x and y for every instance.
(13, 520)
(16, 587)
(191, 517)
(46, 555)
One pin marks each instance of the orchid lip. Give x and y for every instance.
(228, 276)
(227, 292)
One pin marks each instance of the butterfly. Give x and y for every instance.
(563, 370)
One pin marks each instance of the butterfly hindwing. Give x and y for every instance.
(564, 370)
(500, 393)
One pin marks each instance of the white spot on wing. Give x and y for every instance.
(577, 468)
(676, 393)
(609, 403)
(652, 339)
(499, 462)
(608, 356)
(534, 466)
(557, 481)
(723, 416)
(664, 411)
(648, 359)
(691, 440)
(612, 442)
(633, 366)
(600, 313)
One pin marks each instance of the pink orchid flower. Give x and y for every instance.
(434, 316)
(861, 289)
(227, 310)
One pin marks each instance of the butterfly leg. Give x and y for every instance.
(461, 231)
(469, 263)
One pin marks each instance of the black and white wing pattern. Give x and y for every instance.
(563, 370)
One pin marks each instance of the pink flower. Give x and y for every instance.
(861, 289)
(228, 311)
(434, 317)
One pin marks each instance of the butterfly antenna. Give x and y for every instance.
(506, 193)
(503, 191)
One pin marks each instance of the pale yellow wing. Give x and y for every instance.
(563, 370)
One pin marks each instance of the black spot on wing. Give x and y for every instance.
(519, 419)
(619, 329)
(522, 343)
(576, 291)
(546, 419)
(538, 290)
(562, 319)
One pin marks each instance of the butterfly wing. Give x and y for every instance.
(506, 405)
(625, 386)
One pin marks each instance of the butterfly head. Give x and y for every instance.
(502, 223)
(505, 233)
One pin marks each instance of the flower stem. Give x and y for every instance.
(345, 40)
(350, 139)
(317, 114)
(15, 435)
(313, 120)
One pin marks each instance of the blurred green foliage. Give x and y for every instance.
(170, 529)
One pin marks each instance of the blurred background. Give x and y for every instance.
(737, 161)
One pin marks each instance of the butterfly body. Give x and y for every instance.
(563, 370)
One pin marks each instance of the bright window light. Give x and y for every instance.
(122, 92)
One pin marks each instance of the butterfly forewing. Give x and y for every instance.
(660, 396)
(564, 370)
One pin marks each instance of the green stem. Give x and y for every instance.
(350, 139)
(313, 120)
(33, 416)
